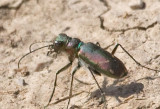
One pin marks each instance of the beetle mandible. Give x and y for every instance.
(96, 59)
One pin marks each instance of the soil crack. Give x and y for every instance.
(105, 3)
(100, 16)
(136, 27)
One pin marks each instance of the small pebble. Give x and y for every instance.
(21, 82)
(137, 4)
(15, 94)
(24, 71)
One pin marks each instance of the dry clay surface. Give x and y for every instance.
(23, 22)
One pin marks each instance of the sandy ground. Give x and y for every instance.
(108, 22)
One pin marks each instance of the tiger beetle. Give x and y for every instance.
(95, 58)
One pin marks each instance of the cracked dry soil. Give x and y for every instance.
(108, 22)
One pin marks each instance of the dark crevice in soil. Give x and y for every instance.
(100, 16)
(119, 30)
(136, 27)
(13, 7)
(101, 22)
(105, 3)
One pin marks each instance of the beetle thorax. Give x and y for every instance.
(67, 44)
(72, 46)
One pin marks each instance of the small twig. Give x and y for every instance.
(141, 99)
(125, 101)
(63, 99)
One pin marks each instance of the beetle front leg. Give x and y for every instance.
(55, 81)
(103, 94)
(71, 84)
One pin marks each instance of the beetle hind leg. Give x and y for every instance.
(98, 44)
(139, 64)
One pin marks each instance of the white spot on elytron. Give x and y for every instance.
(111, 71)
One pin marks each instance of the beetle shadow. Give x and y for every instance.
(123, 91)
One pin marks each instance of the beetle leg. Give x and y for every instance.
(71, 84)
(98, 44)
(115, 48)
(55, 81)
(103, 94)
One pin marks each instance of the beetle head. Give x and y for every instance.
(60, 43)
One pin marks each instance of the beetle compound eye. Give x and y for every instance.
(58, 43)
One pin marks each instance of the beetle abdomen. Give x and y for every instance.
(101, 61)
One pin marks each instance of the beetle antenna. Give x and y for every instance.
(30, 53)
(38, 42)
